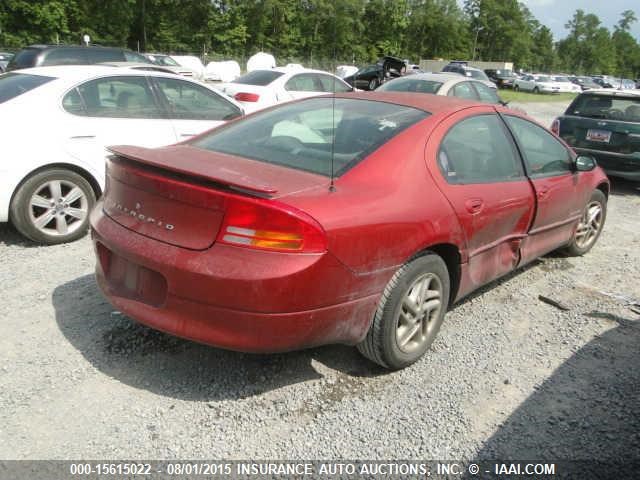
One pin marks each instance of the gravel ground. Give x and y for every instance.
(508, 375)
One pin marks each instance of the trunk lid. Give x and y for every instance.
(178, 194)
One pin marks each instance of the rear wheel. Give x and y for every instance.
(409, 314)
(536, 90)
(590, 225)
(52, 206)
(516, 88)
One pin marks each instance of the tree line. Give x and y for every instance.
(315, 32)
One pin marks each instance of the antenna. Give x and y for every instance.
(332, 186)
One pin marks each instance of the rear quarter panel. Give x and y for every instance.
(385, 209)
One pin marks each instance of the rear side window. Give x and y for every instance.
(307, 135)
(24, 59)
(332, 84)
(114, 97)
(258, 77)
(306, 82)
(463, 90)
(606, 107)
(15, 84)
(478, 150)
(188, 101)
(486, 94)
(408, 84)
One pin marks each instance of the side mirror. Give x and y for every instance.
(585, 163)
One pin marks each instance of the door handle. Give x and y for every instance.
(474, 205)
(78, 137)
(188, 134)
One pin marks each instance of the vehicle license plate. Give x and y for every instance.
(599, 135)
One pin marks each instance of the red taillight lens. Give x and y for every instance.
(247, 97)
(270, 226)
(555, 127)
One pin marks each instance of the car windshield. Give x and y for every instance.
(561, 79)
(477, 74)
(606, 106)
(14, 84)
(505, 73)
(318, 135)
(258, 77)
(542, 78)
(408, 84)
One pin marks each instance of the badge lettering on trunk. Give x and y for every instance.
(136, 213)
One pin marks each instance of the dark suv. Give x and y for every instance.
(46, 55)
(606, 125)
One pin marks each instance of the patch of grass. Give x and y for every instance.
(512, 96)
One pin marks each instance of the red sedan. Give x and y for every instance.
(355, 219)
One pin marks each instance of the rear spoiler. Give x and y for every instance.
(196, 163)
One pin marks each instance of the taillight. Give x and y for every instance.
(555, 127)
(267, 225)
(247, 97)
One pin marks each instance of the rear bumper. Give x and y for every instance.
(615, 164)
(267, 303)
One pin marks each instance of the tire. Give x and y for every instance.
(536, 90)
(516, 88)
(590, 226)
(390, 341)
(373, 84)
(53, 206)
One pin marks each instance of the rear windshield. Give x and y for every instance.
(542, 79)
(607, 107)
(302, 135)
(14, 84)
(408, 84)
(505, 73)
(24, 59)
(258, 77)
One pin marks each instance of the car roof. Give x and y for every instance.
(74, 73)
(613, 93)
(54, 46)
(437, 76)
(295, 70)
(429, 103)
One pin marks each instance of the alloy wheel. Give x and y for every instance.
(590, 225)
(420, 307)
(58, 207)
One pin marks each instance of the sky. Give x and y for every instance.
(555, 13)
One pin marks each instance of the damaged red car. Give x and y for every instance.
(355, 219)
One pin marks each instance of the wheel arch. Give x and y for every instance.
(450, 254)
(604, 187)
(95, 186)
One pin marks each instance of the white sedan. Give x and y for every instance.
(445, 83)
(565, 85)
(58, 121)
(536, 84)
(262, 88)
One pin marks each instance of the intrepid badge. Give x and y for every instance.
(136, 213)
